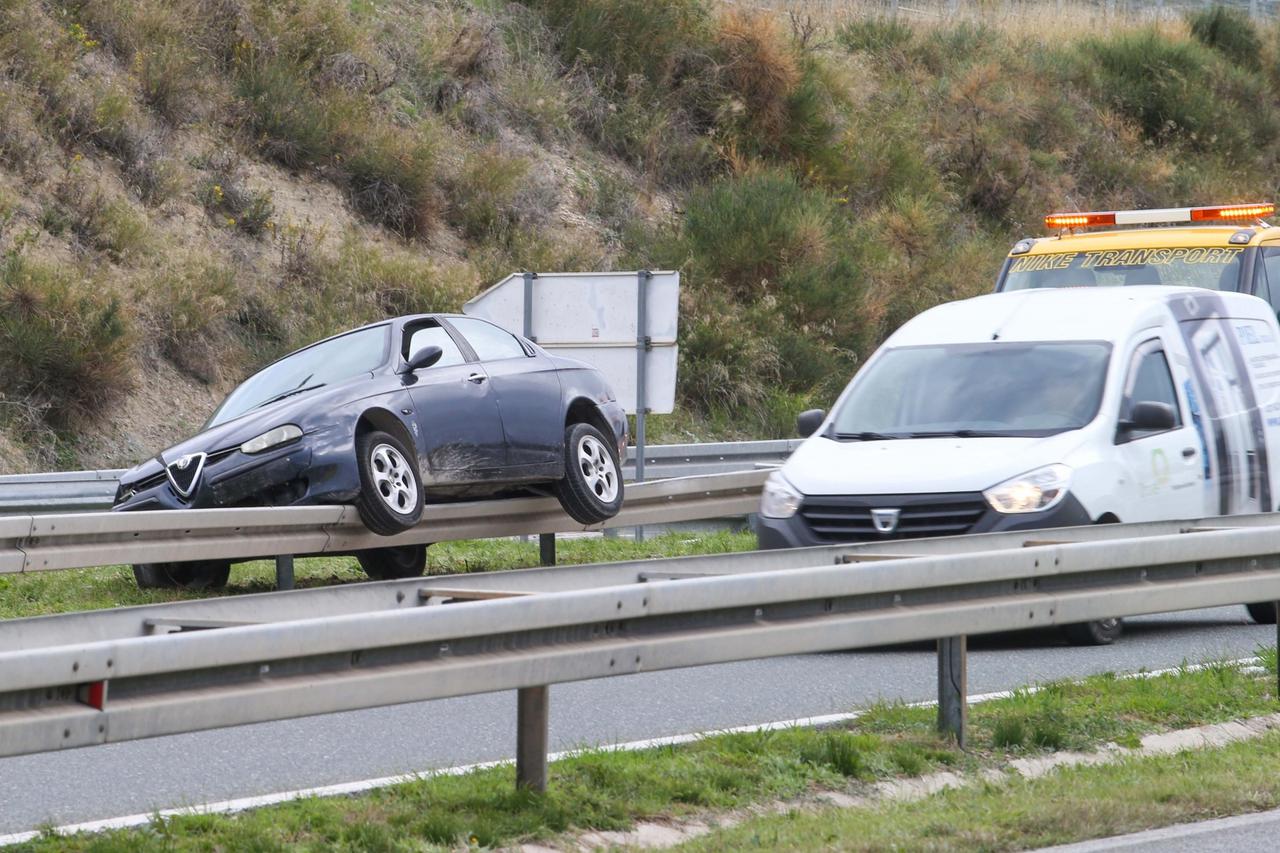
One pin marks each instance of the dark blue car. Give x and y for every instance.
(388, 417)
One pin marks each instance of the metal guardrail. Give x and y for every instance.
(34, 543)
(84, 491)
(91, 678)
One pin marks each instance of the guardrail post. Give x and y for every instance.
(284, 571)
(547, 549)
(953, 687)
(532, 719)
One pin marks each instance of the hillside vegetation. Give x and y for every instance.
(190, 187)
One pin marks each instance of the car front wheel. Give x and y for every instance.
(390, 499)
(591, 491)
(200, 574)
(388, 564)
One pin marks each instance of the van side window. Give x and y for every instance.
(1267, 270)
(1151, 382)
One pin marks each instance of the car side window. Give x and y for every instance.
(433, 335)
(490, 342)
(1150, 382)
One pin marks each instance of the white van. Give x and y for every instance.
(1044, 408)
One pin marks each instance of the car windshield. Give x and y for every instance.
(323, 364)
(1210, 268)
(987, 389)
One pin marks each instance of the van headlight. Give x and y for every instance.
(272, 438)
(779, 499)
(1034, 491)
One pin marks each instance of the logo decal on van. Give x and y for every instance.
(885, 520)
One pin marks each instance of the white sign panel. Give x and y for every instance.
(595, 317)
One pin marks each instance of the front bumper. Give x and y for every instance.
(806, 528)
(308, 471)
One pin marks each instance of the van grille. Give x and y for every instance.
(848, 518)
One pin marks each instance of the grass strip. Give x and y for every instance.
(1071, 804)
(610, 790)
(45, 593)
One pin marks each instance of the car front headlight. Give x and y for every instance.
(779, 499)
(1035, 491)
(272, 438)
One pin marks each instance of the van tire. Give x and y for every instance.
(388, 564)
(199, 574)
(1103, 632)
(1262, 612)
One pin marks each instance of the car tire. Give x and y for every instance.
(200, 574)
(390, 499)
(1262, 612)
(591, 491)
(388, 564)
(1103, 632)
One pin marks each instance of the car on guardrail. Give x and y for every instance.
(1044, 408)
(388, 417)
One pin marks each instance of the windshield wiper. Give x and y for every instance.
(277, 398)
(959, 433)
(865, 436)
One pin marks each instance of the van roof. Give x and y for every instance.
(1067, 314)
(1190, 237)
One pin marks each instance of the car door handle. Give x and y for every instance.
(477, 378)
(1188, 452)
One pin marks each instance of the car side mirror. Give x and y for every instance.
(809, 421)
(1150, 416)
(424, 357)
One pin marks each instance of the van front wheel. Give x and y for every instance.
(1262, 612)
(1103, 632)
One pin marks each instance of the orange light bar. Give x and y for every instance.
(1078, 220)
(1232, 212)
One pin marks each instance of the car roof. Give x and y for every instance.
(1149, 238)
(1110, 314)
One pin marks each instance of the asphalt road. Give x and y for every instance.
(141, 776)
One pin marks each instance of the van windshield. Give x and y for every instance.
(987, 389)
(326, 363)
(1215, 268)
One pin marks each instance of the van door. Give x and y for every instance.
(1163, 470)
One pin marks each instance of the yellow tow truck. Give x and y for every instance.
(1224, 247)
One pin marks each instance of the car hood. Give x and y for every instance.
(305, 410)
(822, 466)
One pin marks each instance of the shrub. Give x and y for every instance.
(190, 308)
(873, 34)
(622, 39)
(63, 343)
(759, 70)
(746, 230)
(391, 177)
(105, 222)
(225, 195)
(1230, 32)
(484, 195)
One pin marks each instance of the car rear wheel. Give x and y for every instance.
(388, 564)
(390, 499)
(591, 491)
(1103, 632)
(1262, 612)
(201, 574)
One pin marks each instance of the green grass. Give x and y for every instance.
(611, 790)
(44, 593)
(1069, 805)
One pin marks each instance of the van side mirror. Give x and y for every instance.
(809, 421)
(424, 357)
(1150, 416)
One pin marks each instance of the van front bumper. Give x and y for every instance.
(845, 519)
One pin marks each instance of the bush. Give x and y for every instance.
(191, 307)
(874, 34)
(1230, 32)
(63, 343)
(625, 39)
(226, 196)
